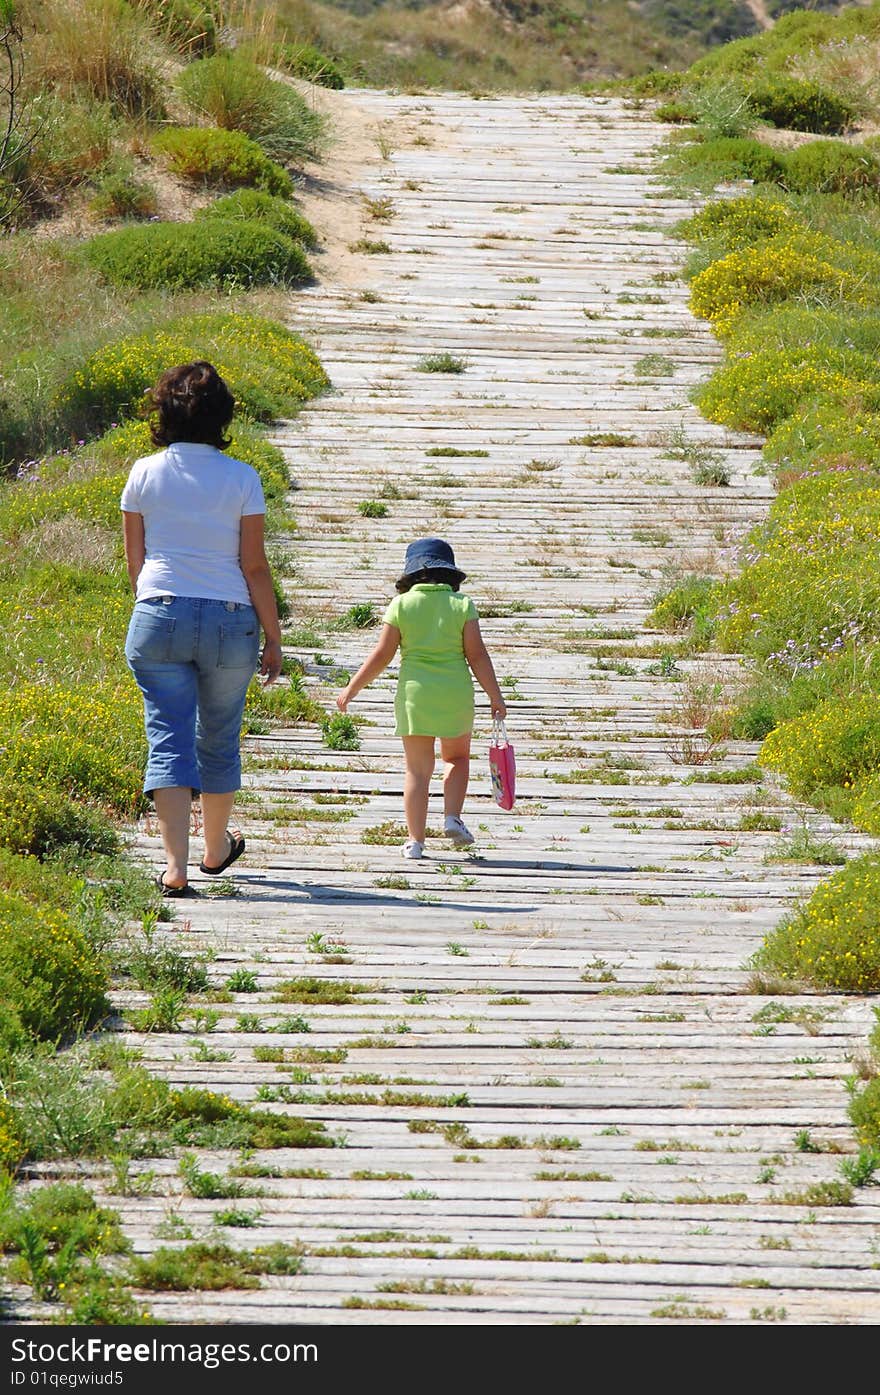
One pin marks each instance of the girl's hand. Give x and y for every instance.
(499, 709)
(343, 699)
(270, 662)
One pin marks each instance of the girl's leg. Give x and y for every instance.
(418, 753)
(456, 752)
(173, 804)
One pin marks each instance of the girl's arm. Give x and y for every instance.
(258, 576)
(386, 647)
(481, 666)
(135, 545)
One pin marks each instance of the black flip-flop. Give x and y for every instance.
(236, 848)
(166, 890)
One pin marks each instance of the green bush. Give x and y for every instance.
(306, 61)
(256, 207)
(268, 369)
(728, 157)
(210, 156)
(49, 973)
(120, 194)
(70, 141)
(797, 105)
(833, 940)
(677, 609)
(39, 822)
(732, 224)
(12, 1147)
(809, 588)
(236, 94)
(772, 270)
(866, 804)
(183, 256)
(760, 389)
(340, 732)
(819, 436)
(832, 166)
(86, 742)
(835, 743)
(864, 1112)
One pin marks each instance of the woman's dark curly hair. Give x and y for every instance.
(191, 403)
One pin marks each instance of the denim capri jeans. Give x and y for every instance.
(193, 660)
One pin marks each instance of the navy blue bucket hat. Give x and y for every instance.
(431, 554)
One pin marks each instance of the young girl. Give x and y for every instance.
(438, 634)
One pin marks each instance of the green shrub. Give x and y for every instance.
(70, 142)
(256, 207)
(268, 369)
(288, 704)
(866, 804)
(235, 94)
(210, 156)
(731, 224)
(86, 742)
(792, 37)
(832, 941)
(38, 822)
(120, 194)
(340, 732)
(12, 1149)
(864, 1112)
(764, 272)
(676, 112)
(832, 166)
(834, 744)
(49, 973)
(756, 391)
(822, 437)
(306, 61)
(728, 157)
(808, 590)
(798, 105)
(182, 256)
(677, 608)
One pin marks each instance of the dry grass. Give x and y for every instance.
(104, 49)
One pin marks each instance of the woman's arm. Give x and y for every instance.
(481, 666)
(257, 573)
(386, 647)
(135, 545)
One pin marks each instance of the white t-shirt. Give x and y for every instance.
(192, 498)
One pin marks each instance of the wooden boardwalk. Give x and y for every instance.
(557, 1102)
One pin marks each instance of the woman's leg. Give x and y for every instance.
(173, 804)
(227, 661)
(216, 810)
(159, 652)
(418, 753)
(456, 752)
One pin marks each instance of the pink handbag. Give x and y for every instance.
(502, 766)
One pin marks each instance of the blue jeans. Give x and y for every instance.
(193, 660)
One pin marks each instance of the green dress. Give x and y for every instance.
(435, 692)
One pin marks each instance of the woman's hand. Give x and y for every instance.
(499, 709)
(343, 698)
(270, 662)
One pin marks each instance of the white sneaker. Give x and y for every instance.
(457, 831)
(412, 848)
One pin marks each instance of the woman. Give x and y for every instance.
(194, 544)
